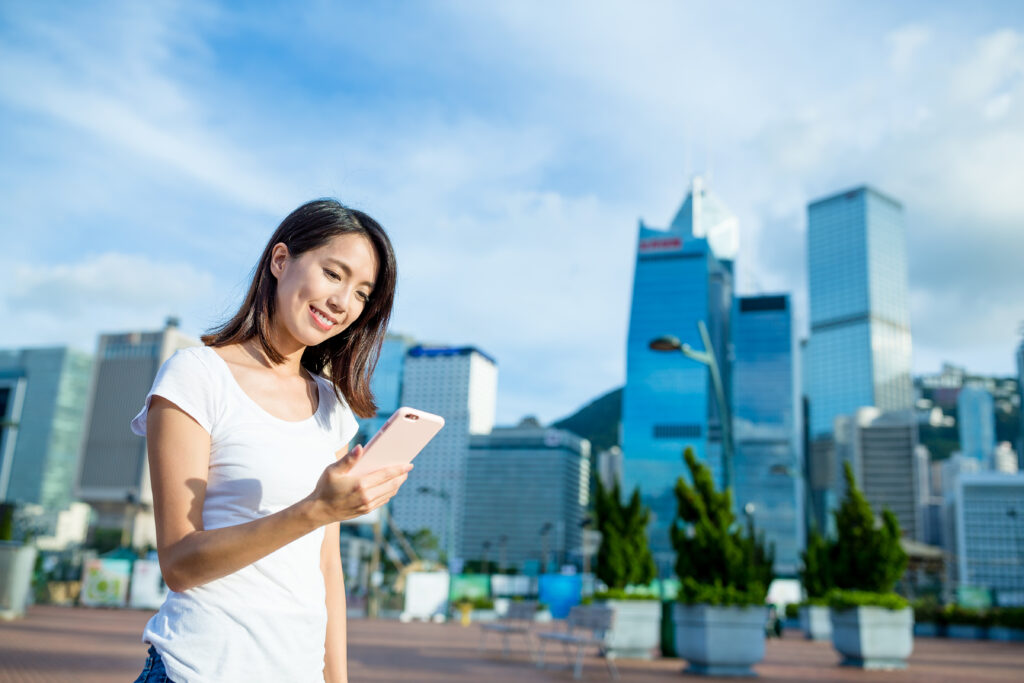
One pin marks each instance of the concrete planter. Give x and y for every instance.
(966, 631)
(719, 641)
(929, 629)
(873, 637)
(636, 628)
(484, 615)
(1006, 634)
(16, 564)
(816, 622)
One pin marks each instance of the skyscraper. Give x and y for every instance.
(113, 475)
(683, 275)
(976, 422)
(768, 467)
(386, 384)
(1020, 391)
(859, 352)
(460, 384)
(527, 490)
(43, 395)
(882, 448)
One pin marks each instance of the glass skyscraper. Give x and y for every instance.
(859, 351)
(43, 395)
(683, 275)
(768, 466)
(976, 420)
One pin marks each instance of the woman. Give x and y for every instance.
(248, 458)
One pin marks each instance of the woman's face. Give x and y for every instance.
(323, 290)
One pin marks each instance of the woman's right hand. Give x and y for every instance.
(339, 496)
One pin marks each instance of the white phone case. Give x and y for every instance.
(400, 440)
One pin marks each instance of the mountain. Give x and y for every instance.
(598, 421)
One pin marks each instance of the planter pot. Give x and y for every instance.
(873, 637)
(1006, 634)
(965, 631)
(16, 564)
(636, 628)
(484, 615)
(719, 641)
(816, 622)
(929, 629)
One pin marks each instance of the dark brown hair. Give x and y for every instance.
(350, 357)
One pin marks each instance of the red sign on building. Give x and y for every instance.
(660, 244)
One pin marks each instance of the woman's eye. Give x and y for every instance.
(363, 296)
(331, 274)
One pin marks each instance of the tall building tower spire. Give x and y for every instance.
(704, 215)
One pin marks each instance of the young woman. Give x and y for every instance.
(248, 456)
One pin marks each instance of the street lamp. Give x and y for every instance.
(449, 522)
(544, 530)
(486, 546)
(707, 357)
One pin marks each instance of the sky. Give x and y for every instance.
(148, 150)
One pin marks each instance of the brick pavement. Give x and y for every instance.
(79, 645)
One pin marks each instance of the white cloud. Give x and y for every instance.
(73, 302)
(905, 44)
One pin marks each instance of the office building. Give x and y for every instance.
(883, 450)
(768, 467)
(527, 492)
(43, 395)
(460, 384)
(113, 474)
(386, 384)
(669, 402)
(976, 419)
(860, 347)
(1020, 391)
(986, 512)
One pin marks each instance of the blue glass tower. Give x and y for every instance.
(386, 384)
(768, 465)
(976, 419)
(859, 352)
(683, 275)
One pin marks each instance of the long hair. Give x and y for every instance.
(348, 358)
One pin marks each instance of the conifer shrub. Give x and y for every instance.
(866, 557)
(624, 557)
(718, 561)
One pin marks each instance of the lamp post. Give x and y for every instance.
(486, 546)
(544, 530)
(503, 553)
(707, 357)
(449, 522)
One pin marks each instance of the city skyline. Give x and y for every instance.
(132, 135)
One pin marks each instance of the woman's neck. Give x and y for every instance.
(292, 353)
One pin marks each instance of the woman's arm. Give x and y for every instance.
(179, 460)
(336, 642)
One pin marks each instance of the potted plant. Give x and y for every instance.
(929, 619)
(872, 627)
(816, 577)
(724, 571)
(17, 562)
(624, 559)
(1007, 624)
(967, 623)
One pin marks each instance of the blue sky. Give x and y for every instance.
(147, 151)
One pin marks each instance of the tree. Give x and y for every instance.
(711, 548)
(624, 556)
(816, 573)
(865, 556)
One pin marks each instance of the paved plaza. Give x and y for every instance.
(80, 645)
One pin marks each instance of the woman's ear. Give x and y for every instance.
(278, 258)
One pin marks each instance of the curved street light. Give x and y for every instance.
(707, 357)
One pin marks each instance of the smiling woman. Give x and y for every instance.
(249, 460)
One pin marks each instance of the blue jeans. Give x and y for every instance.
(154, 671)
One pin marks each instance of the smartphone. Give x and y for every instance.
(400, 440)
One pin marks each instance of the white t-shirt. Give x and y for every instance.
(267, 621)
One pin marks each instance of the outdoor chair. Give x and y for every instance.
(518, 620)
(586, 626)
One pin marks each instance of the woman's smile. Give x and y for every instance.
(322, 320)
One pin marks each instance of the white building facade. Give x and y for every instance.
(460, 384)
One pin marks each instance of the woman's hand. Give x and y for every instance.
(338, 496)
